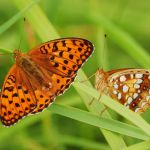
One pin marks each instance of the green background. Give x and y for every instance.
(67, 124)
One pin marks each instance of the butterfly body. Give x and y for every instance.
(101, 81)
(130, 87)
(40, 75)
(32, 70)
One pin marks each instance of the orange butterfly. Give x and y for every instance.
(130, 87)
(40, 75)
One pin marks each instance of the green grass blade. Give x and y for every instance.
(84, 143)
(78, 115)
(125, 112)
(4, 51)
(140, 146)
(108, 124)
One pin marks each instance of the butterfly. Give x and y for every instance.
(130, 87)
(40, 75)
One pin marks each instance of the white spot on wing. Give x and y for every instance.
(115, 92)
(116, 86)
(137, 109)
(125, 88)
(135, 95)
(129, 100)
(139, 91)
(149, 77)
(139, 81)
(119, 96)
(138, 75)
(122, 78)
(136, 86)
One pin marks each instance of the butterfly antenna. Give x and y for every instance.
(20, 44)
(19, 47)
(104, 53)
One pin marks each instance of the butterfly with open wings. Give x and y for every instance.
(40, 75)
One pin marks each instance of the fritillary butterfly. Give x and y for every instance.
(130, 87)
(40, 75)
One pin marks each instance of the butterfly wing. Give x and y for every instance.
(16, 99)
(20, 96)
(63, 56)
(131, 87)
(61, 59)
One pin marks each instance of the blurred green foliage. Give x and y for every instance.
(86, 19)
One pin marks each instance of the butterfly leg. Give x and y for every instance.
(104, 105)
(101, 113)
(91, 102)
(88, 78)
(100, 97)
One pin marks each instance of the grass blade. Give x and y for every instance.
(125, 112)
(140, 146)
(108, 124)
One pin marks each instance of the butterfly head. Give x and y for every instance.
(17, 54)
(100, 79)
